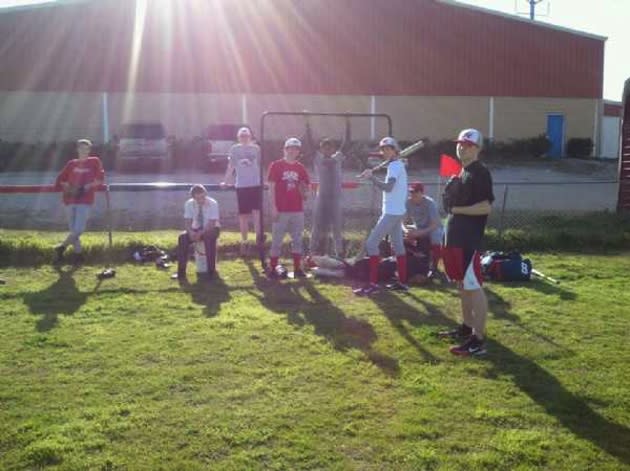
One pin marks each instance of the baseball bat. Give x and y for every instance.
(544, 277)
(407, 151)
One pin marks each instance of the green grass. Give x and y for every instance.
(240, 373)
(524, 231)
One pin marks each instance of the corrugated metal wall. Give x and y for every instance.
(318, 47)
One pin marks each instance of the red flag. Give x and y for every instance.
(449, 166)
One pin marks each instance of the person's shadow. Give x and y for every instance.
(61, 297)
(329, 321)
(402, 315)
(572, 411)
(208, 293)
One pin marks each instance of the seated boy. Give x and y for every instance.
(201, 218)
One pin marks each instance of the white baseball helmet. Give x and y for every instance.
(388, 142)
(244, 131)
(292, 142)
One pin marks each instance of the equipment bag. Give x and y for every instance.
(501, 266)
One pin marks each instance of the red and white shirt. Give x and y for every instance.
(288, 178)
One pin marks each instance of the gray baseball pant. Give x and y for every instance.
(293, 223)
(391, 225)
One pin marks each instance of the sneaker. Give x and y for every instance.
(437, 275)
(460, 333)
(178, 276)
(367, 290)
(278, 273)
(299, 274)
(397, 286)
(471, 347)
(59, 250)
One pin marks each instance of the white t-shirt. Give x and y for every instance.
(210, 210)
(395, 201)
(245, 158)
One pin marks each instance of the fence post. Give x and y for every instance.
(109, 217)
(501, 220)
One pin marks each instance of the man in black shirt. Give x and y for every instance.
(467, 199)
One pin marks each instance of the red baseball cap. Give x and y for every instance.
(416, 187)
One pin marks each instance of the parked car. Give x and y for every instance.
(219, 139)
(143, 145)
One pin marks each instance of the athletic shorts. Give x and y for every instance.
(249, 199)
(463, 265)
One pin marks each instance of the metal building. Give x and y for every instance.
(83, 67)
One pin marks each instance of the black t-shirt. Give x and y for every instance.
(473, 186)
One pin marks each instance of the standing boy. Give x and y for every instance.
(327, 214)
(468, 200)
(288, 183)
(390, 223)
(244, 162)
(78, 180)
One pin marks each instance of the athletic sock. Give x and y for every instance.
(297, 261)
(273, 262)
(436, 255)
(401, 265)
(375, 260)
(466, 330)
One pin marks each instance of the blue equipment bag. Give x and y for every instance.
(500, 266)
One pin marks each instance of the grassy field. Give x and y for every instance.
(136, 372)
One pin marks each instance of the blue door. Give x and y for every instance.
(555, 133)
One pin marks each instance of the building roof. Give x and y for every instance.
(540, 24)
(323, 47)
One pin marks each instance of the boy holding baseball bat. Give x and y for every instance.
(78, 181)
(390, 223)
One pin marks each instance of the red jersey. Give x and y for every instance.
(288, 178)
(79, 172)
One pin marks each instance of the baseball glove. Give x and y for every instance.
(75, 191)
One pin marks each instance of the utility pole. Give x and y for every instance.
(532, 8)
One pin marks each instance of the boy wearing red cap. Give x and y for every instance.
(426, 230)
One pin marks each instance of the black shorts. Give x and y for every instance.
(249, 199)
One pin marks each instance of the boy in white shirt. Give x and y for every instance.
(201, 217)
(390, 223)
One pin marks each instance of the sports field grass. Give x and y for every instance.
(241, 373)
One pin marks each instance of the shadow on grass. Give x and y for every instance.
(541, 386)
(570, 410)
(208, 293)
(401, 314)
(61, 297)
(329, 321)
(543, 287)
(501, 310)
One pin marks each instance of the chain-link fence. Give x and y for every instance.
(517, 205)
